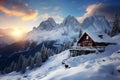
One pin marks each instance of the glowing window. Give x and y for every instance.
(87, 37)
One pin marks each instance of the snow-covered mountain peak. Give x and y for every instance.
(96, 23)
(70, 21)
(70, 17)
(50, 19)
(49, 24)
(70, 28)
(49, 30)
(99, 17)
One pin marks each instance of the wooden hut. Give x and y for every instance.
(91, 42)
(94, 39)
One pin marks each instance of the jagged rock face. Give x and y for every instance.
(92, 23)
(96, 23)
(50, 24)
(116, 26)
(115, 30)
(70, 21)
(47, 25)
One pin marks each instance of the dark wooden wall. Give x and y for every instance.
(86, 40)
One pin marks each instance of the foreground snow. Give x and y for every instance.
(53, 63)
(102, 66)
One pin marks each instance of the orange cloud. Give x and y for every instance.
(19, 5)
(25, 13)
(32, 14)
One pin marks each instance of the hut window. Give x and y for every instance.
(87, 37)
(101, 36)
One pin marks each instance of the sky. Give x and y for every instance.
(29, 13)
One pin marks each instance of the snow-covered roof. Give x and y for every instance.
(99, 37)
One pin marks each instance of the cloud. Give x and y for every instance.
(108, 10)
(89, 11)
(103, 9)
(4, 1)
(19, 5)
(30, 15)
(44, 16)
(18, 9)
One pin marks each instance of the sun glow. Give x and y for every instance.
(18, 33)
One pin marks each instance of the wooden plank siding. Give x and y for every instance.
(74, 53)
(86, 40)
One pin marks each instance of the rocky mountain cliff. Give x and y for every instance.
(96, 23)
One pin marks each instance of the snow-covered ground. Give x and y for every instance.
(117, 38)
(53, 63)
(102, 66)
(106, 68)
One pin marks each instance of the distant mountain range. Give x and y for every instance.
(95, 22)
(70, 28)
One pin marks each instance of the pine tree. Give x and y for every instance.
(6, 70)
(29, 60)
(59, 49)
(43, 53)
(24, 65)
(80, 33)
(12, 66)
(15, 67)
(116, 26)
(20, 61)
(68, 45)
(43, 48)
(31, 66)
(50, 52)
(38, 59)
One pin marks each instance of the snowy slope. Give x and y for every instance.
(100, 69)
(116, 38)
(50, 65)
(102, 66)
